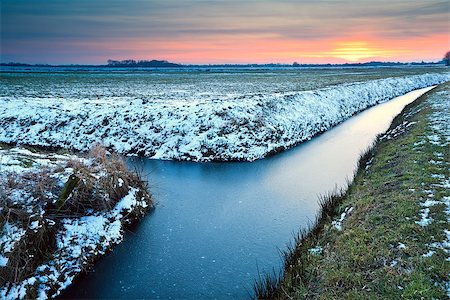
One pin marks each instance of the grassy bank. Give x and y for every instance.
(59, 212)
(388, 236)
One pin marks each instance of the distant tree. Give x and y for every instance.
(131, 63)
(112, 62)
(447, 58)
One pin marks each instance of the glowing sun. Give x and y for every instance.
(355, 51)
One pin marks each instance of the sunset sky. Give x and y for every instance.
(231, 31)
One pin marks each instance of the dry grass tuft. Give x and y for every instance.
(33, 249)
(102, 180)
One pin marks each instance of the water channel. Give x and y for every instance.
(216, 226)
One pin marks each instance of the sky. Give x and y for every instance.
(223, 31)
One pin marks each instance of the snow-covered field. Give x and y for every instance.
(43, 247)
(247, 127)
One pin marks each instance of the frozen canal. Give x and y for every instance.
(215, 224)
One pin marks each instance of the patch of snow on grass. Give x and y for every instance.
(429, 253)
(18, 291)
(337, 224)
(11, 234)
(3, 261)
(127, 202)
(401, 246)
(443, 245)
(424, 215)
(316, 250)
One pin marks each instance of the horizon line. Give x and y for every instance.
(294, 63)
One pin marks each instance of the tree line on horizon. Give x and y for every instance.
(164, 63)
(141, 63)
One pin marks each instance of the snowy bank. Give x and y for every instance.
(46, 240)
(241, 128)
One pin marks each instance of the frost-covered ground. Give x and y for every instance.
(45, 244)
(437, 193)
(436, 190)
(184, 84)
(200, 124)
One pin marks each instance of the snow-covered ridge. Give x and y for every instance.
(243, 128)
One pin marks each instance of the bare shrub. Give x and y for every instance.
(43, 185)
(104, 179)
(99, 152)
